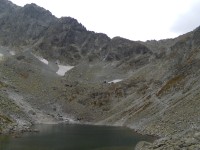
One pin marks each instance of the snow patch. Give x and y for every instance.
(42, 60)
(12, 53)
(63, 69)
(115, 81)
(1, 56)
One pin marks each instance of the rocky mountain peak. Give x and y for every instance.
(34, 11)
(6, 6)
(6, 2)
(62, 38)
(72, 23)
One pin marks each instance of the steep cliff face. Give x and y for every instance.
(69, 41)
(64, 38)
(150, 86)
(7, 6)
(21, 26)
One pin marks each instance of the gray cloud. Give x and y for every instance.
(188, 21)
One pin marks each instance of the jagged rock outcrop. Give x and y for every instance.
(64, 38)
(21, 26)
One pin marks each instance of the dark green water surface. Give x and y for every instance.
(74, 137)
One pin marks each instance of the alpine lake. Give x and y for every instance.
(74, 137)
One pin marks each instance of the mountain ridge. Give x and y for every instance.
(48, 31)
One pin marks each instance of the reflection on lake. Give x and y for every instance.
(74, 137)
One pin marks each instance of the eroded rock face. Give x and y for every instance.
(21, 26)
(60, 38)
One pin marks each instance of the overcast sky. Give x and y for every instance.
(131, 19)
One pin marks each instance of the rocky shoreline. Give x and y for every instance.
(189, 140)
(185, 141)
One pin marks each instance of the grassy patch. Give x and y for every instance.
(5, 119)
(2, 85)
(170, 83)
